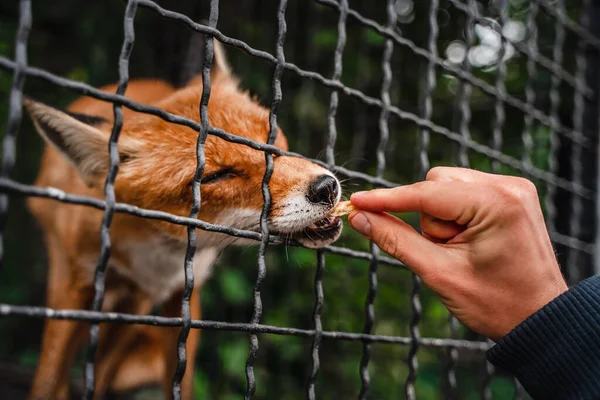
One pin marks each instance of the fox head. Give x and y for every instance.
(158, 163)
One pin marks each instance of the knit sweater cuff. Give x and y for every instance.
(555, 353)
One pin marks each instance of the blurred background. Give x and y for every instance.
(82, 42)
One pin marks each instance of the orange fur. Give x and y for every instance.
(158, 165)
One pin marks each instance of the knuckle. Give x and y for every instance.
(420, 188)
(511, 199)
(527, 188)
(518, 189)
(436, 173)
(507, 194)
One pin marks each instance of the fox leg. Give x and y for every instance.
(170, 337)
(116, 342)
(60, 344)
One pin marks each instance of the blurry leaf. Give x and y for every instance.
(78, 73)
(373, 38)
(29, 358)
(503, 388)
(201, 385)
(428, 383)
(325, 38)
(304, 257)
(437, 310)
(234, 357)
(234, 286)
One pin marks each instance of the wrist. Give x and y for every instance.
(522, 311)
(554, 352)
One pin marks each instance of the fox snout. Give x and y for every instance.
(303, 196)
(323, 193)
(305, 215)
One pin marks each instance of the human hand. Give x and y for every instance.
(484, 249)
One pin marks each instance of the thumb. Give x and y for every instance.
(400, 241)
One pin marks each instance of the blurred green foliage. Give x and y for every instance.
(83, 43)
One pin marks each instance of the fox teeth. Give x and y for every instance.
(320, 223)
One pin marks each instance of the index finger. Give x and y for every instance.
(447, 200)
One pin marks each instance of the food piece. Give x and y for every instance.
(342, 208)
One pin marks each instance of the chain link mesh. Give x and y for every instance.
(585, 93)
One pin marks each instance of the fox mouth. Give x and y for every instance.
(325, 226)
(318, 234)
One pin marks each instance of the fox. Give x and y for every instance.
(157, 165)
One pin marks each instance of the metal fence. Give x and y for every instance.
(570, 181)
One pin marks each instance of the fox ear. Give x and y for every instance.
(75, 137)
(220, 58)
(194, 60)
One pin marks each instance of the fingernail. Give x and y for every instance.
(361, 224)
(357, 194)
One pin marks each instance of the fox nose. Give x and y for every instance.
(323, 190)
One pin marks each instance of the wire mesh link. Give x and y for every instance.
(465, 88)
(499, 112)
(318, 326)
(9, 186)
(557, 54)
(564, 21)
(488, 375)
(533, 56)
(497, 141)
(459, 73)
(381, 163)
(88, 90)
(581, 66)
(337, 75)
(384, 130)
(191, 248)
(421, 123)
(519, 390)
(559, 75)
(479, 148)
(330, 160)
(464, 99)
(113, 317)
(424, 166)
(15, 111)
(530, 95)
(413, 362)
(264, 216)
(109, 196)
(366, 99)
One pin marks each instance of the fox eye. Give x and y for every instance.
(222, 174)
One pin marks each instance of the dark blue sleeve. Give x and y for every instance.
(555, 353)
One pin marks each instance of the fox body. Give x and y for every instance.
(157, 166)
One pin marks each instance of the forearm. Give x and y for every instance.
(555, 353)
